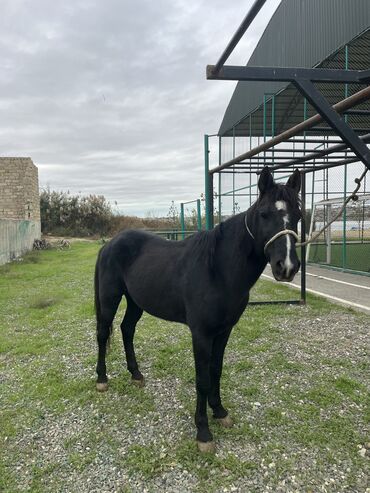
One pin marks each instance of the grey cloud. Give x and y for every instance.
(111, 97)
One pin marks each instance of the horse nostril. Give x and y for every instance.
(280, 265)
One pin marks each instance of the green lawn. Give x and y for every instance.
(295, 381)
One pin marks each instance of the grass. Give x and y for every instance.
(283, 406)
(357, 256)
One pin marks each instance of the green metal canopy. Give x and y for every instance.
(302, 33)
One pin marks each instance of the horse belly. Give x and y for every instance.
(156, 293)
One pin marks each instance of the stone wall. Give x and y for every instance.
(19, 207)
(19, 189)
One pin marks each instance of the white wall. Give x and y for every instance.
(17, 237)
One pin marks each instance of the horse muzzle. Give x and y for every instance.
(284, 271)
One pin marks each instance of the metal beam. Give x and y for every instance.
(247, 21)
(315, 141)
(284, 158)
(332, 165)
(284, 74)
(347, 103)
(358, 112)
(288, 168)
(317, 153)
(330, 129)
(285, 169)
(365, 77)
(329, 114)
(301, 150)
(275, 165)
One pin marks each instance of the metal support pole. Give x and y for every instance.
(344, 231)
(304, 133)
(328, 235)
(273, 125)
(233, 173)
(207, 183)
(210, 197)
(199, 215)
(182, 220)
(264, 118)
(250, 147)
(303, 238)
(313, 209)
(219, 181)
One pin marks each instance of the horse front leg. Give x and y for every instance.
(202, 348)
(214, 397)
(128, 325)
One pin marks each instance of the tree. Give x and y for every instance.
(173, 216)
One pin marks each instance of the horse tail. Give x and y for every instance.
(97, 298)
(96, 291)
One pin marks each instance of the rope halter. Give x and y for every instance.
(281, 233)
(275, 237)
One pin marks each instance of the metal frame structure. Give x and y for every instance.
(182, 216)
(349, 149)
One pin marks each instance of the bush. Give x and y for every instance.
(63, 214)
(73, 215)
(120, 222)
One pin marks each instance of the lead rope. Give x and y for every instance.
(353, 197)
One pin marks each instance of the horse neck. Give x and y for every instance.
(237, 252)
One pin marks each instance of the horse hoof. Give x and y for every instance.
(206, 447)
(138, 383)
(226, 422)
(102, 386)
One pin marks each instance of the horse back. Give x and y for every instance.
(149, 269)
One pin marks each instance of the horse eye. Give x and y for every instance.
(264, 215)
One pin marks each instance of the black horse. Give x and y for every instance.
(202, 281)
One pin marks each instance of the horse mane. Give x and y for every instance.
(204, 244)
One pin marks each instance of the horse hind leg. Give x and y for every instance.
(108, 309)
(128, 325)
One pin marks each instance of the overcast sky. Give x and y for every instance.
(110, 97)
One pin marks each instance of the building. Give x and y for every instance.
(19, 207)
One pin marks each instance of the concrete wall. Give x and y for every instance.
(19, 207)
(17, 237)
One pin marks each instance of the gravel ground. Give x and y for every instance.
(141, 440)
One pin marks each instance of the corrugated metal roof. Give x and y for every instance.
(302, 33)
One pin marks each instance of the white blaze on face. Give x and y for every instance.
(281, 206)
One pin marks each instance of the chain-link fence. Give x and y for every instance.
(346, 243)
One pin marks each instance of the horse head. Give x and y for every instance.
(274, 223)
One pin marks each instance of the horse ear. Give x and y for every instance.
(266, 180)
(295, 181)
